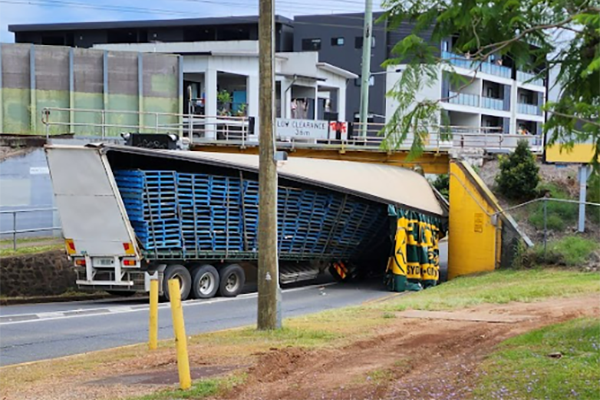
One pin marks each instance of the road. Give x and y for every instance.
(41, 331)
(37, 332)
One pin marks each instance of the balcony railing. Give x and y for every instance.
(497, 70)
(530, 109)
(494, 104)
(528, 78)
(485, 67)
(464, 99)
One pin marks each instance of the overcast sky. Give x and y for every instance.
(51, 11)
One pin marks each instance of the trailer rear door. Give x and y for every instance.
(94, 220)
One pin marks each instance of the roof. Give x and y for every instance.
(336, 70)
(154, 23)
(377, 182)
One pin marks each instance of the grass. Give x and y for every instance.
(522, 369)
(559, 215)
(29, 250)
(199, 390)
(5, 242)
(570, 251)
(329, 329)
(499, 287)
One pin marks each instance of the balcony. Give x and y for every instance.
(485, 67)
(530, 79)
(530, 109)
(464, 99)
(493, 104)
(497, 70)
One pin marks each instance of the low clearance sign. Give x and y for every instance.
(288, 128)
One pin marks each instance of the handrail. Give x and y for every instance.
(16, 231)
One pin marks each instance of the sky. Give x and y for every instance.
(54, 11)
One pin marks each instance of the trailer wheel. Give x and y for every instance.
(206, 281)
(185, 280)
(232, 280)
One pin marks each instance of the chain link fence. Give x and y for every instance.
(561, 231)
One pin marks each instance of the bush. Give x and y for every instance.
(519, 174)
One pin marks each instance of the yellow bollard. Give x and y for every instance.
(153, 326)
(183, 362)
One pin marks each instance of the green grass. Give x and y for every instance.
(499, 287)
(559, 215)
(570, 251)
(29, 250)
(5, 242)
(199, 390)
(521, 368)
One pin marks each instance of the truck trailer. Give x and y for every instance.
(131, 214)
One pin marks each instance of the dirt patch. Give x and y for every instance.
(409, 358)
(412, 359)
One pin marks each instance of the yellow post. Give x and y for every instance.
(183, 362)
(153, 326)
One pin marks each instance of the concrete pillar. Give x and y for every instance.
(210, 102)
(341, 103)
(316, 103)
(71, 90)
(583, 178)
(252, 86)
(514, 106)
(287, 98)
(282, 89)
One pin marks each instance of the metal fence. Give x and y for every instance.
(15, 232)
(545, 220)
(239, 131)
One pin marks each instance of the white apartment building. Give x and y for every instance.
(496, 98)
(306, 89)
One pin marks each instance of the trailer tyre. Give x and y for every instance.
(185, 280)
(206, 282)
(232, 280)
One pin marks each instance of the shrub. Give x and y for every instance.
(519, 174)
(593, 196)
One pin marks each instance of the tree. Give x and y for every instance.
(536, 34)
(519, 174)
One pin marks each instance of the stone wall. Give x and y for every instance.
(43, 274)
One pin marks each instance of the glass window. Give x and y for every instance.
(337, 41)
(311, 44)
(358, 42)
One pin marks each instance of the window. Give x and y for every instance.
(358, 42)
(311, 44)
(337, 41)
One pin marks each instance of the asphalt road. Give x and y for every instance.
(62, 329)
(41, 331)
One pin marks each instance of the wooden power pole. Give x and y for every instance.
(269, 316)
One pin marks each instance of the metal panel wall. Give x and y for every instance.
(33, 77)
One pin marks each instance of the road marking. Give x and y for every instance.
(77, 313)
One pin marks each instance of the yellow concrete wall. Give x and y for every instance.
(472, 238)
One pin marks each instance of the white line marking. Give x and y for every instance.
(95, 312)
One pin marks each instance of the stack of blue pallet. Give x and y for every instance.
(211, 213)
(150, 199)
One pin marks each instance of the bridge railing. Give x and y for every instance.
(104, 124)
(239, 131)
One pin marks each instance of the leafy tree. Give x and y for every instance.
(519, 174)
(535, 34)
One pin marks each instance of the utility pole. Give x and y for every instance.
(269, 316)
(366, 67)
